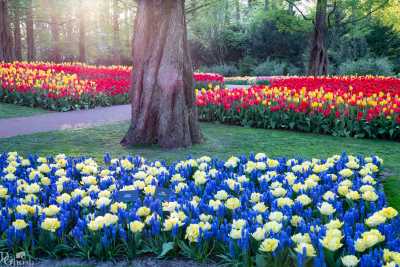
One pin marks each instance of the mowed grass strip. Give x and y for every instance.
(13, 111)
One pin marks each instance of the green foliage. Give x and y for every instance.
(263, 82)
(234, 38)
(283, 35)
(224, 69)
(275, 68)
(274, 34)
(268, 39)
(166, 248)
(270, 68)
(348, 49)
(367, 66)
(247, 64)
(384, 41)
(223, 32)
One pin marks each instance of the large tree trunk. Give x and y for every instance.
(116, 49)
(6, 42)
(30, 39)
(318, 64)
(163, 99)
(17, 33)
(82, 34)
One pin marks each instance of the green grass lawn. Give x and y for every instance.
(220, 140)
(11, 111)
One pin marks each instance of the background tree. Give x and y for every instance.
(55, 30)
(356, 11)
(163, 100)
(82, 32)
(16, 7)
(115, 29)
(318, 62)
(271, 37)
(30, 38)
(6, 42)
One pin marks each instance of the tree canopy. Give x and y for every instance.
(232, 36)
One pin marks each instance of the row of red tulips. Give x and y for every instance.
(366, 85)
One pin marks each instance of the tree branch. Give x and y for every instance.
(332, 12)
(299, 10)
(193, 9)
(364, 17)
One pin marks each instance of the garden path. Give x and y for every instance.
(54, 121)
(233, 86)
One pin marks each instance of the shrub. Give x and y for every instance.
(277, 33)
(270, 68)
(247, 64)
(367, 66)
(293, 70)
(223, 69)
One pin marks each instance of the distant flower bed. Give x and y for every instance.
(68, 86)
(366, 85)
(248, 211)
(331, 107)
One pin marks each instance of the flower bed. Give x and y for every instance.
(208, 80)
(64, 87)
(245, 211)
(339, 111)
(367, 85)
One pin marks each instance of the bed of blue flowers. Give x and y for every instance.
(245, 211)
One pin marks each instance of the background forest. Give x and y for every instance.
(230, 37)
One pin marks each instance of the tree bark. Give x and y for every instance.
(116, 49)
(128, 29)
(30, 38)
(6, 42)
(163, 99)
(82, 33)
(237, 4)
(105, 28)
(17, 33)
(227, 13)
(55, 33)
(318, 64)
(291, 9)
